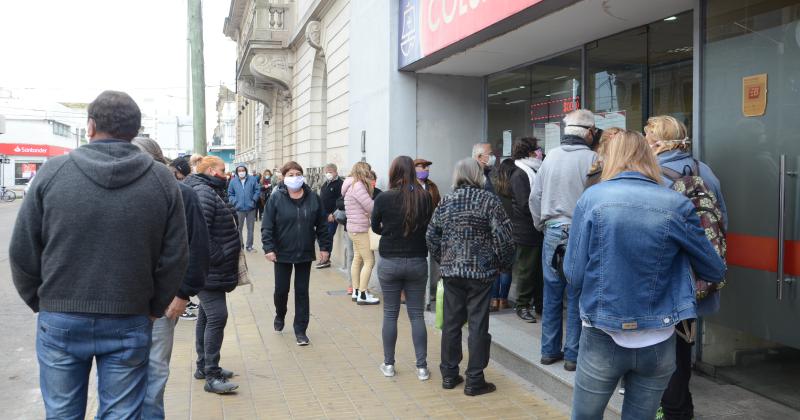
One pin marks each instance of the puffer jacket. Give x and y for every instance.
(290, 227)
(224, 244)
(470, 235)
(357, 204)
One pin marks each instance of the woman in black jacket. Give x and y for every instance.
(293, 219)
(223, 272)
(401, 216)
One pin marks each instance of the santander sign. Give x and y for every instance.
(444, 22)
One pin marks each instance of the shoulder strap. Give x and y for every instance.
(671, 174)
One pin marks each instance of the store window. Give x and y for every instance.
(556, 92)
(509, 100)
(25, 171)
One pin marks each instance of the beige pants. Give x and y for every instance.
(363, 260)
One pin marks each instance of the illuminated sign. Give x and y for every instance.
(554, 109)
(427, 26)
(19, 149)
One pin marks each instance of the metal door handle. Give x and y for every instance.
(782, 227)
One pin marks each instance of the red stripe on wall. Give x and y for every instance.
(761, 253)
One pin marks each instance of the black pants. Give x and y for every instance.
(211, 319)
(283, 278)
(527, 273)
(677, 400)
(466, 300)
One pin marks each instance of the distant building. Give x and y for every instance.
(223, 143)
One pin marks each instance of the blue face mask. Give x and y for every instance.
(294, 183)
(423, 175)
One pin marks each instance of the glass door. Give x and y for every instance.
(751, 138)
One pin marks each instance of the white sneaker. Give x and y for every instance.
(368, 299)
(423, 374)
(387, 370)
(355, 295)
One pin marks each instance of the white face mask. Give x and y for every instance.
(294, 183)
(491, 161)
(242, 174)
(329, 176)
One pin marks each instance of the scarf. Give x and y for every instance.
(530, 166)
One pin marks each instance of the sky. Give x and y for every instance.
(71, 50)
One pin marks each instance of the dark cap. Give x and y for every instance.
(182, 165)
(423, 162)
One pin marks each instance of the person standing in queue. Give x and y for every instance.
(293, 220)
(470, 236)
(401, 217)
(223, 273)
(631, 252)
(358, 191)
(330, 191)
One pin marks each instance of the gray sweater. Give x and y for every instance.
(560, 183)
(102, 231)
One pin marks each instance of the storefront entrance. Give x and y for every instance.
(751, 138)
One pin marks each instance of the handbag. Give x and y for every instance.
(374, 240)
(244, 273)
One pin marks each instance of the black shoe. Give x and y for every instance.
(326, 264)
(550, 360)
(219, 385)
(570, 366)
(475, 391)
(450, 383)
(278, 324)
(199, 374)
(191, 306)
(524, 313)
(188, 315)
(302, 339)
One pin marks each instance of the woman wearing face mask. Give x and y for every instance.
(223, 272)
(293, 220)
(422, 168)
(358, 190)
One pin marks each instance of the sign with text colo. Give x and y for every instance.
(427, 26)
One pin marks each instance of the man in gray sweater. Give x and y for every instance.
(99, 249)
(555, 194)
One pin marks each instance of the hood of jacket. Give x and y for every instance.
(111, 165)
(241, 165)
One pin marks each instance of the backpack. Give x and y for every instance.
(691, 185)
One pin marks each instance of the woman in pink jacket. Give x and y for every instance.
(357, 192)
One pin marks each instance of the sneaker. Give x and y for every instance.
(423, 374)
(354, 295)
(387, 370)
(200, 374)
(621, 391)
(302, 339)
(188, 315)
(219, 385)
(191, 306)
(450, 383)
(278, 324)
(326, 264)
(524, 313)
(366, 298)
(475, 391)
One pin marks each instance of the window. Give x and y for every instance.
(60, 129)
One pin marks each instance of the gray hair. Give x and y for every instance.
(331, 166)
(468, 172)
(578, 117)
(478, 148)
(150, 147)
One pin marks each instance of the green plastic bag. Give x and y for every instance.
(439, 304)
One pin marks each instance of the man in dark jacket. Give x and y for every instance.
(244, 192)
(527, 271)
(330, 191)
(193, 281)
(96, 251)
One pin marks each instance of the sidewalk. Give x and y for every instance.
(336, 376)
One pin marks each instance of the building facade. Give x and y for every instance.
(292, 82)
(223, 142)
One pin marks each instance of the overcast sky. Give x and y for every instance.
(71, 50)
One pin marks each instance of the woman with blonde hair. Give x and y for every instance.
(357, 191)
(669, 140)
(648, 239)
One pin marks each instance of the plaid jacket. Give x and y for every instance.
(470, 235)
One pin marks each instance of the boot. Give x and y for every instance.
(504, 304)
(494, 305)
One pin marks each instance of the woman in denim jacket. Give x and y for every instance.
(632, 244)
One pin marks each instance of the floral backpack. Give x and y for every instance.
(690, 184)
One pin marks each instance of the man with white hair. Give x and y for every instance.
(482, 152)
(555, 193)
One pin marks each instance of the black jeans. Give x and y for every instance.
(283, 279)
(211, 319)
(527, 274)
(677, 399)
(411, 275)
(466, 300)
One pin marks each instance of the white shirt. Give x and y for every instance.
(640, 338)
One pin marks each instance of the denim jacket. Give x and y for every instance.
(630, 250)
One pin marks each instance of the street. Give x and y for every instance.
(336, 376)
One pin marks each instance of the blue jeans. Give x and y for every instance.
(602, 363)
(66, 344)
(552, 311)
(409, 275)
(158, 368)
(501, 286)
